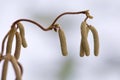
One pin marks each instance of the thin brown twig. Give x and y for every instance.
(52, 25)
(66, 13)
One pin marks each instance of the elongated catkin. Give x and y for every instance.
(4, 70)
(96, 40)
(18, 46)
(16, 68)
(63, 42)
(22, 33)
(82, 51)
(10, 40)
(20, 67)
(84, 38)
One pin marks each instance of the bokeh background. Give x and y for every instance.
(42, 59)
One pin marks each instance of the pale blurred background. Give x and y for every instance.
(42, 59)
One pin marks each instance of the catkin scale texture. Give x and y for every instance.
(5, 70)
(10, 40)
(82, 51)
(84, 38)
(18, 45)
(96, 40)
(22, 33)
(63, 42)
(16, 68)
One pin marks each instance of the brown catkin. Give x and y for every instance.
(18, 45)
(82, 52)
(4, 70)
(20, 67)
(10, 40)
(63, 42)
(84, 38)
(22, 33)
(16, 68)
(96, 40)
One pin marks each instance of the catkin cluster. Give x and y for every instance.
(19, 34)
(84, 46)
(17, 31)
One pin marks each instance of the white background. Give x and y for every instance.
(42, 59)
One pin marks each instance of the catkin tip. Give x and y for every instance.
(22, 33)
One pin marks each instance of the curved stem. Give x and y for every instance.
(52, 25)
(86, 19)
(66, 13)
(31, 21)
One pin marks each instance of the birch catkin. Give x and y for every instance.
(63, 42)
(4, 70)
(96, 40)
(22, 33)
(16, 68)
(10, 40)
(82, 51)
(84, 38)
(18, 45)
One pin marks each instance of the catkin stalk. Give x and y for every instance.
(22, 33)
(96, 40)
(63, 42)
(82, 51)
(84, 38)
(4, 70)
(16, 68)
(18, 45)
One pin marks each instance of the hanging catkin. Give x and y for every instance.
(18, 45)
(82, 51)
(96, 39)
(10, 40)
(84, 38)
(63, 42)
(5, 70)
(16, 68)
(22, 33)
